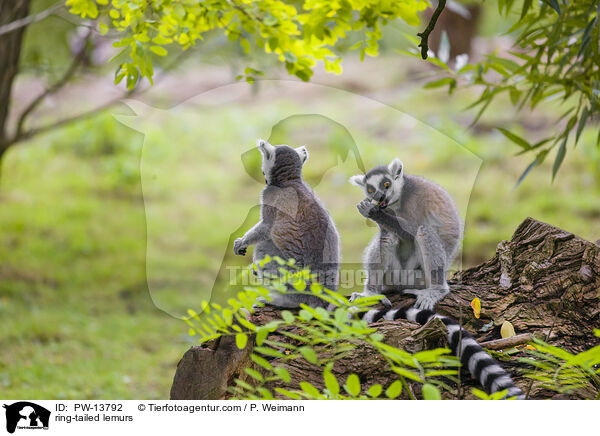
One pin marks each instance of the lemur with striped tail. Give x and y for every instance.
(419, 231)
(294, 224)
(419, 234)
(471, 355)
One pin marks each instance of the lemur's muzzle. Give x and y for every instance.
(380, 199)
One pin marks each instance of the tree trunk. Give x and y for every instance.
(460, 28)
(10, 50)
(545, 281)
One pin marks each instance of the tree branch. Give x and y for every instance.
(513, 341)
(24, 135)
(30, 19)
(68, 120)
(425, 34)
(79, 56)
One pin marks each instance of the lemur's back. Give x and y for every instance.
(425, 202)
(303, 230)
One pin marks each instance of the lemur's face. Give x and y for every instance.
(383, 184)
(280, 157)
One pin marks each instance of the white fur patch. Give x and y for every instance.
(390, 314)
(465, 343)
(369, 316)
(411, 314)
(358, 180)
(475, 358)
(268, 157)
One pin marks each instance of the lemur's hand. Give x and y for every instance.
(367, 209)
(239, 247)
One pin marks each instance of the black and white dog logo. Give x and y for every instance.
(26, 415)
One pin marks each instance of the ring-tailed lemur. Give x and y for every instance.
(294, 224)
(472, 355)
(420, 231)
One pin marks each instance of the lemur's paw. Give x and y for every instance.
(366, 208)
(384, 300)
(426, 302)
(239, 247)
(260, 302)
(426, 298)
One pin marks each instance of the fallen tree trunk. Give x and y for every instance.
(545, 281)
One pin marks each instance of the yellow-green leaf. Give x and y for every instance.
(476, 305)
(507, 330)
(241, 339)
(157, 49)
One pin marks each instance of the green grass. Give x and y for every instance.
(99, 258)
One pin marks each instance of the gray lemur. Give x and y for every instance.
(419, 233)
(294, 224)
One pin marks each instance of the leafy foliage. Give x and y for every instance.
(566, 372)
(320, 337)
(555, 57)
(298, 33)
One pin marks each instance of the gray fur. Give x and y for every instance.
(294, 224)
(419, 233)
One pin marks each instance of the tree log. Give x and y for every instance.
(545, 281)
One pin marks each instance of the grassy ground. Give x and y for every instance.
(99, 256)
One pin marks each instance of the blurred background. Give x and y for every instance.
(113, 225)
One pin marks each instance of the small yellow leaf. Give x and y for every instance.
(507, 330)
(476, 305)
(529, 347)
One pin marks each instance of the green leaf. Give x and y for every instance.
(538, 160)
(441, 82)
(287, 316)
(261, 361)
(283, 374)
(375, 391)
(394, 389)
(241, 339)
(515, 138)
(254, 374)
(261, 335)
(309, 354)
(352, 385)
(157, 49)
(554, 5)
(289, 394)
(331, 383)
(582, 122)
(245, 45)
(310, 389)
(560, 155)
(102, 28)
(431, 392)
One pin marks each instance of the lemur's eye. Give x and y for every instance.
(370, 190)
(386, 185)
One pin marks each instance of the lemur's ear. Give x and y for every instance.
(303, 153)
(396, 168)
(358, 180)
(266, 149)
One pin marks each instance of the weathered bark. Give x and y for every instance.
(10, 51)
(460, 29)
(545, 281)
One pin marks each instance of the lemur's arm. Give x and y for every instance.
(389, 221)
(261, 231)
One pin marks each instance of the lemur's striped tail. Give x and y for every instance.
(472, 355)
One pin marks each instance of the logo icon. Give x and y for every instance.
(26, 415)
